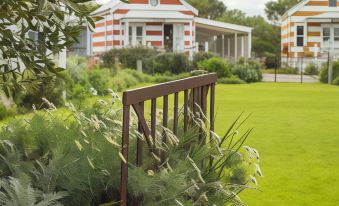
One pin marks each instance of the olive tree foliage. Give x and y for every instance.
(57, 23)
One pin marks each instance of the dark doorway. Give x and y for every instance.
(168, 37)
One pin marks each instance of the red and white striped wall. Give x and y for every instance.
(111, 31)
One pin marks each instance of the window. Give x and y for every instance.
(326, 36)
(336, 37)
(154, 2)
(136, 35)
(139, 35)
(130, 35)
(300, 35)
(332, 3)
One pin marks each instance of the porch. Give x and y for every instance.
(226, 40)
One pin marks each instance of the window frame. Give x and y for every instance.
(299, 36)
(332, 36)
(132, 35)
(151, 2)
(332, 3)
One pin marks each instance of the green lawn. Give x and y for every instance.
(297, 133)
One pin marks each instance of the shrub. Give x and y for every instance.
(98, 79)
(249, 71)
(166, 77)
(127, 78)
(217, 65)
(200, 57)
(231, 80)
(336, 81)
(50, 88)
(323, 75)
(271, 60)
(286, 70)
(6, 112)
(128, 57)
(174, 63)
(78, 153)
(311, 69)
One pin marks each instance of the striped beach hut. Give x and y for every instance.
(310, 33)
(166, 25)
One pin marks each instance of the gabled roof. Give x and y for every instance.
(107, 6)
(295, 8)
(156, 15)
(223, 25)
(114, 4)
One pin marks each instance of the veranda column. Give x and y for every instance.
(106, 32)
(121, 36)
(223, 46)
(235, 46)
(305, 33)
(228, 46)
(126, 34)
(89, 42)
(249, 44)
(191, 41)
(242, 46)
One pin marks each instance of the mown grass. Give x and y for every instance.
(297, 133)
(296, 130)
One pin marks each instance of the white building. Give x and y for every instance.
(167, 25)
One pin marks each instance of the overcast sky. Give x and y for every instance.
(250, 7)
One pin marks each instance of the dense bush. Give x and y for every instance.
(200, 57)
(247, 70)
(6, 112)
(98, 79)
(323, 75)
(336, 81)
(161, 78)
(271, 60)
(174, 63)
(217, 65)
(231, 80)
(285, 70)
(50, 88)
(311, 69)
(128, 57)
(76, 155)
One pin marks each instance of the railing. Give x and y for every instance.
(195, 95)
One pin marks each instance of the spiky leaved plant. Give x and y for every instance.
(78, 152)
(200, 167)
(14, 192)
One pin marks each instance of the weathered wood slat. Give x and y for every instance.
(175, 115)
(140, 113)
(124, 152)
(186, 110)
(198, 86)
(139, 141)
(139, 95)
(153, 118)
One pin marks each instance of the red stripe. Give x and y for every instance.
(187, 12)
(121, 11)
(154, 33)
(97, 44)
(108, 43)
(154, 23)
(155, 43)
(100, 24)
